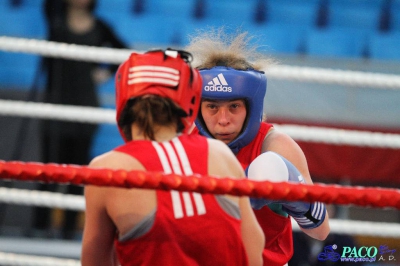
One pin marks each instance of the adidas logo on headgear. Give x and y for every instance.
(218, 84)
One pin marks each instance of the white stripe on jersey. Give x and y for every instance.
(188, 204)
(176, 167)
(198, 200)
(176, 204)
(187, 169)
(163, 157)
(177, 160)
(176, 199)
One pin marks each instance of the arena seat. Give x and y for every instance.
(18, 70)
(277, 38)
(115, 6)
(30, 3)
(292, 12)
(385, 46)
(107, 136)
(177, 8)
(106, 92)
(112, 11)
(111, 18)
(395, 15)
(336, 42)
(355, 13)
(149, 29)
(27, 22)
(232, 11)
(193, 26)
(377, 4)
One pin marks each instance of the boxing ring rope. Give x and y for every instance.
(117, 56)
(375, 197)
(102, 115)
(81, 114)
(84, 175)
(26, 171)
(11, 259)
(77, 203)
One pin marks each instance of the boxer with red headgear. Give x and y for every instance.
(162, 75)
(234, 87)
(157, 100)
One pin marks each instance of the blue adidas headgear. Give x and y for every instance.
(225, 83)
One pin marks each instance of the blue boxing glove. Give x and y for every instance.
(270, 166)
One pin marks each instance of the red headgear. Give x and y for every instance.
(165, 73)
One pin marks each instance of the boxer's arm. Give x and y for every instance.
(285, 146)
(252, 234)
(99, 231)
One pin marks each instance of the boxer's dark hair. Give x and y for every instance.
(148, 112)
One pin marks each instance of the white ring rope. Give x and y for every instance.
(341, 136)
(387, 230)
(64, 50)
(334, 76)
(363, 228)
(42, 198)
(102, 115)
(11, 259)
(57, 112)
(99, 115)
(117, 56)
(76, 202)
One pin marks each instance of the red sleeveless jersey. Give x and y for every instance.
(277, 229)
(248, 153)
(189, 228)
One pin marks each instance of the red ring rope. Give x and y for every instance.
(83, 175)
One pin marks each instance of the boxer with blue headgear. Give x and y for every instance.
(233, 91)
(225, 83)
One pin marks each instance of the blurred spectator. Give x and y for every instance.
(71, 82)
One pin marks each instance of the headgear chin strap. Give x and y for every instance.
(165, 73)
(225, 83)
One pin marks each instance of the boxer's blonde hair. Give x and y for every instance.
(215, 47)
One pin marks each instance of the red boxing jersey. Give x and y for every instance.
(248, 153)
(189, 228)
(277, 229)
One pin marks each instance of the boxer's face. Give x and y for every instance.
(224, 119)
